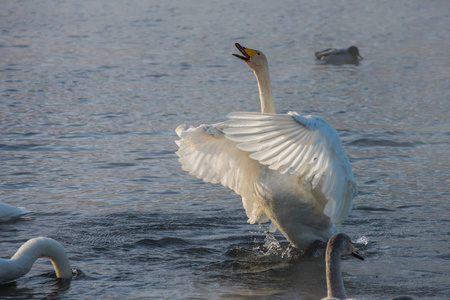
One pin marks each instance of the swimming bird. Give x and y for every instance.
(339, 245)
(9, 212)
(21, 263)
(339, 56)
(289, 169)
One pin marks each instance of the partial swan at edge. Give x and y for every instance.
(9, 212)
(21, 263)
(339, 245)
(289, 169)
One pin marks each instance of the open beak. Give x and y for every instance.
(360, 57)
(355, 253)
(247, 53)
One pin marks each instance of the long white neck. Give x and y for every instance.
(265, 92)
(21, 263)
(335, 283)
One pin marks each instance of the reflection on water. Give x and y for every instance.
(91, 93)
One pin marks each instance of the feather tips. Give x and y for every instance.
(204, 152)
(232, 153)
(307, 147)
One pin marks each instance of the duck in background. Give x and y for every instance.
(339, 56)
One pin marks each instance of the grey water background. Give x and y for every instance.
(90, 95)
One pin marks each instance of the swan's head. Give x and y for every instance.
(255, 59)
(354, 52)
(342, 243)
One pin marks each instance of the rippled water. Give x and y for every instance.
(91, 93)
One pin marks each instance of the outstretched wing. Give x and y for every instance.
(205, 153)
(307, 147)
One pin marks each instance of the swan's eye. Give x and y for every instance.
(259, 53)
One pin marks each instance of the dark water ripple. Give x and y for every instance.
(25, 147)
(365, 142)
(163, 242)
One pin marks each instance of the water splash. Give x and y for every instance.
(362, 241)
(273, 250)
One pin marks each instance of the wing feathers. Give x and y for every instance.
(232, 153)
(308, 147)
(205, 153)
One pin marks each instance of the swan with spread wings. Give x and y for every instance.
(289, 169)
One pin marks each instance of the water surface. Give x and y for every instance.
(90, 95)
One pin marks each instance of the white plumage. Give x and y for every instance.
(287, 168)
(9, 212)
(21, 263)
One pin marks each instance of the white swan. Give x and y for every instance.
(21, 263)
(339, 56)
(290, 169)
(10, 212)
(339, 245)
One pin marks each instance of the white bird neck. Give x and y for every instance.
(335, 282)
(28, 253)
(265, 92)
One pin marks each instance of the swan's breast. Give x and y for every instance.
(295, 209)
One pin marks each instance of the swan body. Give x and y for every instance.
(339, 56)
(21, 263)
(339, 245)
(10, 212)
(289, 169)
